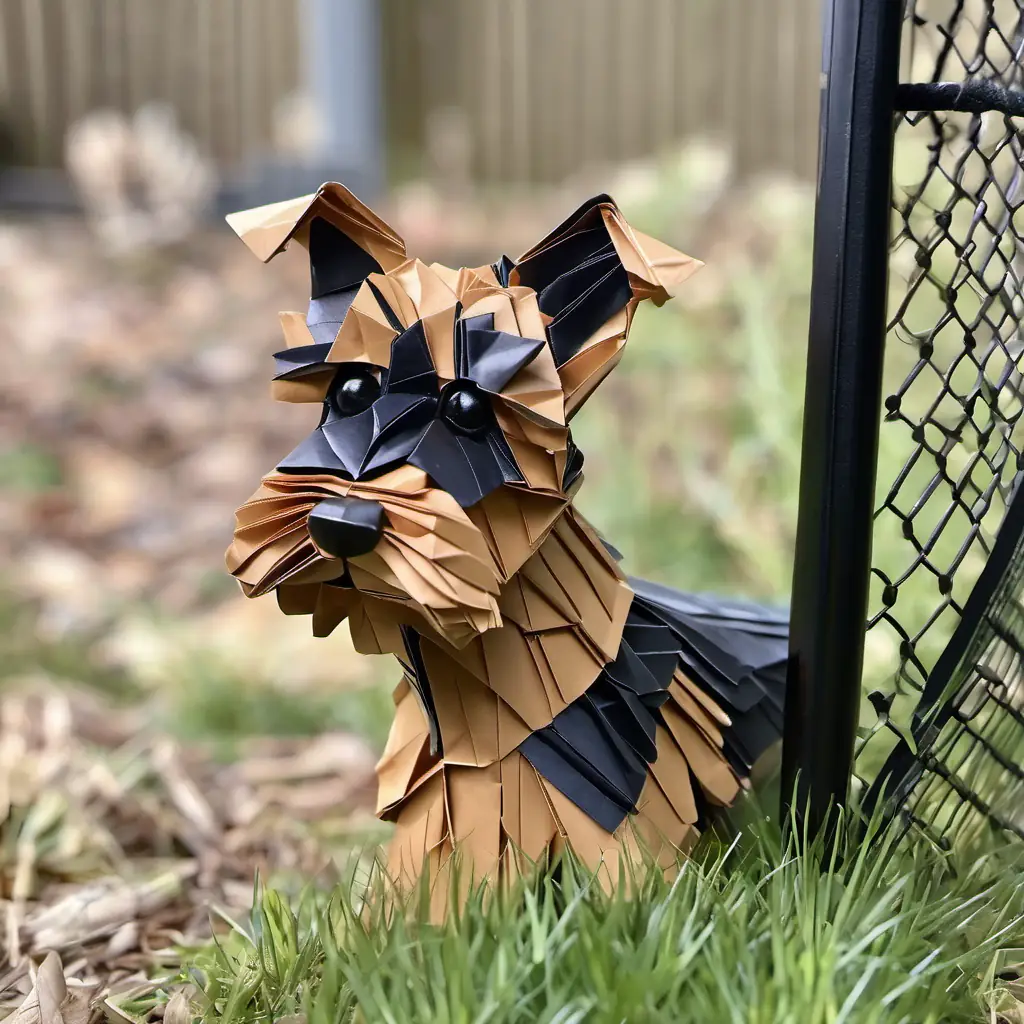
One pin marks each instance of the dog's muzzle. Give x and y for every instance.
(346, 527)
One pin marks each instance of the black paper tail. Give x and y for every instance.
(736, 652)
(596, 752)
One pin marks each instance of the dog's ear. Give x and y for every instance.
(346, 242)
(589, 275)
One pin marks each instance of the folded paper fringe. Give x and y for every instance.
(436, 566)
(507, 816)
(641, 748)
(430, 553)
(546, 701)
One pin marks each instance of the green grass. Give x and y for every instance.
(26, 468)
(206, 698)
(214, 702)
(754, 932)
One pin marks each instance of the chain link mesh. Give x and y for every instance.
(944, 721)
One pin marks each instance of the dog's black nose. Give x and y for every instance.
(346, 527)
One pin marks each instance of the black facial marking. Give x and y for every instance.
(370, 426)
(349, 438)
(411, 370)
(488, 357)
(416, 671)
(468, 468)
(301, 361)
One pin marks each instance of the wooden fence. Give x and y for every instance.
(222, 64)
(540, 87)
(545, 86)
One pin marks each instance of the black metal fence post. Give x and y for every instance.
(842, 403)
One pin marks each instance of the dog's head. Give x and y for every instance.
(442, 457)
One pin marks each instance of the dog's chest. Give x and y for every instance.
(572, 680)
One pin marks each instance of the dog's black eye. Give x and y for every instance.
(355, 390)
(466, 408)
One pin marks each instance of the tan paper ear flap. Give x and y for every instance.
(655, 269)
(267, 229)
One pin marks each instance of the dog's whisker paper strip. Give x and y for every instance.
(546, 700)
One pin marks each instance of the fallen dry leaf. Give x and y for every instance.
(179, 1007)
(116, 850)
(100, 908)
(51, 1000)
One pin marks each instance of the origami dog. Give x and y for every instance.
(546, 698)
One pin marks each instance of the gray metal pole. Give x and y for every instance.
(342, 55)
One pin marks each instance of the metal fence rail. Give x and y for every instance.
(940, 723)
(842, 403)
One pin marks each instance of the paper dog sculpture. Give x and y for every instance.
(546, 699)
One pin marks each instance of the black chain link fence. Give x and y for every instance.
(942, 726)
